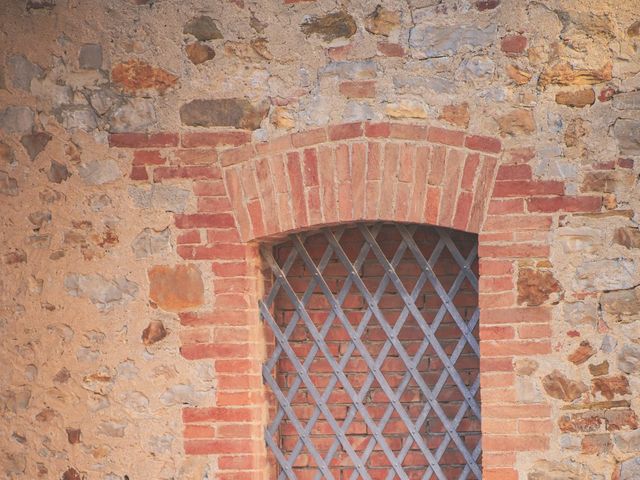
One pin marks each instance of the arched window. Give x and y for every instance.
(374, 359)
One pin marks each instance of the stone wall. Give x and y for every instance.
(132, 138)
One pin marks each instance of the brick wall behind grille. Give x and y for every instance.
(393, 368)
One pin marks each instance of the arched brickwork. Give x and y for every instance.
(248, 192)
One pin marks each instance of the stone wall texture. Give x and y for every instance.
(146, 144)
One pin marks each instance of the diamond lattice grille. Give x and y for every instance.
(374, 363)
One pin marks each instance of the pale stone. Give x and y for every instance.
(16, 119)
(627, 442)
(8, 185)
(99, 172)
(203, 28)
(629, 359)
(21, 71)
(78, 117)
(136, 115)
(182, 395)
(135, 401)
(430, 41)
(609, 274)
(104, 293)
(622, 305)
(112, 429)
(90, 56)
(627, 132)
(150, 242)
(555, 470)
(358, 70)
(630, 469)
(161, 197)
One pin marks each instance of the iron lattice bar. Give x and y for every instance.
(415, 439)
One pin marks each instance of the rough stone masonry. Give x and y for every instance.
(133, 133)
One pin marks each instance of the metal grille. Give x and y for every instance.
(379, 328)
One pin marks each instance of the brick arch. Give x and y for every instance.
(242, 193)
(361, 171)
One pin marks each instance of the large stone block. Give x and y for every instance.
(330, 26)
(223, 112)
(176, 288)
(429, 41)
(627, 132)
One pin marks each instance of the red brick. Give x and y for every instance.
(148, 157)
(496, 283)
(311, 137)
(187, 237)
(506, 473)
(239, 462)
(496, 333)
(483, 144)
(214, 204)
(215, 139)
(420, 184)
(481, 192)
(143, 140)
(524, 188)
(377, 130)
(510, 205)
(345, 131)
(200, 156)
(358, 89)
(220, 317)
(515, 347)
(358, 181)
(453, 172)
(432, 206)
(514, 251)
(297, 190)
(327, 194)
(139, 173)
(389, 180)
(236, 155)
(204, 220)
(208, 447)
(223, 236)
(510, 223)
(408, 132)
(514, 172)
(277, 145)
(216, 350)
(490, 266)
(198, 172)
(496, 364)
(445, 136)
(469, 173)
(254, 208)
(199, 431)
(518, 443)
(535, 426)
(391, 49)
(534, 331)
(239, 398)
(565, 204)
(532, 315)
(463, 210)
(217, 414)
(213, 189)
(521, 410)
